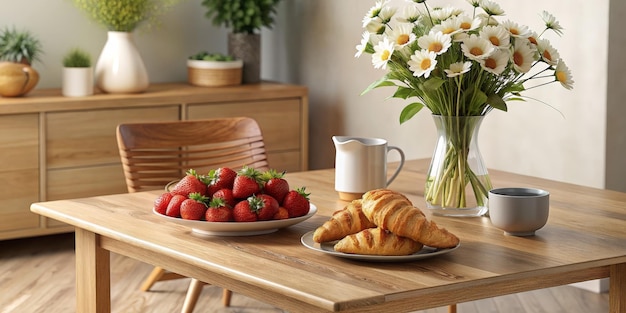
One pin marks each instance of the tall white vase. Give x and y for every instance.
(120, 68)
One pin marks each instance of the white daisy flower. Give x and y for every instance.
(422, 62)
(376, 27)
(487, 19)
(522, 56)
(491, 8)
(387, 13)
(474, 3)
(382, 53)
(458, 68)
(551, 22)
(448, 27)
(497, 35)
(547, 52)
(436, 42)
(496, 63)
(515, 29)
(442, 14)
(476, 48)
(402, 35)
(468, 23)
(360, 48)
(564, 75)
(533, 37)
(409, 14)
(374, 11)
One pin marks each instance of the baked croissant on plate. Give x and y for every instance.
(392, 211)
(346, 221)
(377, 241)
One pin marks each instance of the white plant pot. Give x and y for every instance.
(77, 81)
(120, 68)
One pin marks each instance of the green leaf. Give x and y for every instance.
(404, 92)
(409, 111)
(382, 82)
(432, 84)
(497, 102)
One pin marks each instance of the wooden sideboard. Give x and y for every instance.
(54, 147)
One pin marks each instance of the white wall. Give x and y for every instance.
(313, 44)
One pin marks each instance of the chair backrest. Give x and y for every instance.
(156, 153)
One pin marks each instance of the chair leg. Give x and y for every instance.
(452, 308)
(226, 295)
(195, 288)
(154, 276)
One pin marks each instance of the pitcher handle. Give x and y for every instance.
(389, 148)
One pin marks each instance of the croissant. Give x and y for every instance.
(346, 221)
(377, 241)
(392, 211)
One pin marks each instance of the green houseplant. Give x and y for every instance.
(18, 50)
(245, 18)
(77, 73)
(120, 68)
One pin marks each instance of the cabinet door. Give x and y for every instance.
(19, 171)
(81, 149)
(280, 122)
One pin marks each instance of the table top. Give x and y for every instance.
(584, 235)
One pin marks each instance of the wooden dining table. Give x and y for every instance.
(584, 239)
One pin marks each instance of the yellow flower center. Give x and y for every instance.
(385, 55)
(448, 31)
(514, 31)
(518, 58)
(561, 76)
(425, 64)
(494, 40)
(435, 47)
(532, 40)
(547, 55)
(490, 63)
(466, 25)
(402, 39)
(476, 51)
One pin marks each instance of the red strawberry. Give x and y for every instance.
(218, 211)
(226, 195)
(245, 210)
(269, 207)
(173, 208)
(297, 202)
(194, 207)
(246, 183)
(189, 184)
(220, 178)
(275, 185)
(160, 204)
(281, 214)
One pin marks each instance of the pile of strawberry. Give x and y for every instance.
(226, 195)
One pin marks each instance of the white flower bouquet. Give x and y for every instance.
(458, 64)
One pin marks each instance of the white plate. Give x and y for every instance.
(328, 248)
(238, 228)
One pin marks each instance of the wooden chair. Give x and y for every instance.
(156, 153)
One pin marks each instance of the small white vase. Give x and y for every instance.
(77, 81)
(120, 68)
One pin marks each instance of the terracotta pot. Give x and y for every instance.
(17, 79)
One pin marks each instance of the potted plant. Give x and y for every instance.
(245, 18)
(18, 50)
(120, 68)
(77, 74)
(213, 70)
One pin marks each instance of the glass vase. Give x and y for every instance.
(458, 182)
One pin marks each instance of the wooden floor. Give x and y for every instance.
(37, 275)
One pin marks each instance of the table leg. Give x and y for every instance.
(93, 276)
(617, 288)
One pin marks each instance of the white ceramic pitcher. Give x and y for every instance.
(361, 165)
